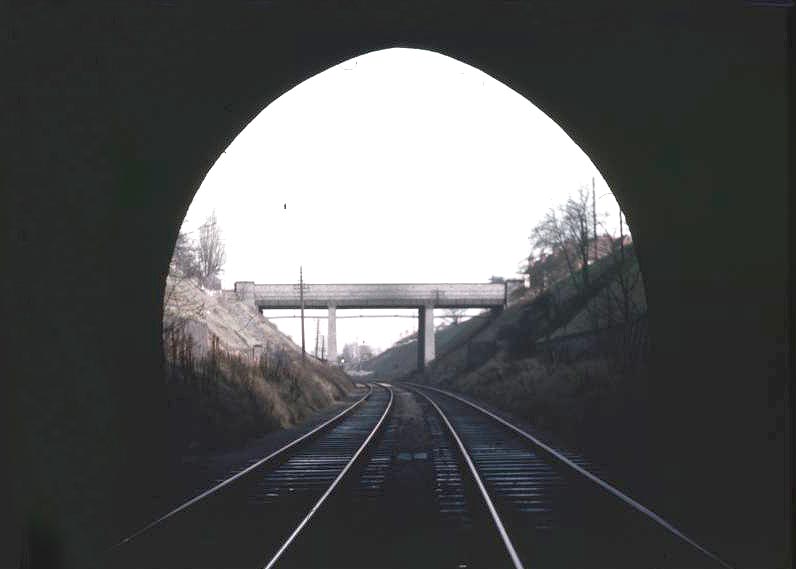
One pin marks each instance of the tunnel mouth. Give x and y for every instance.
(244, 253)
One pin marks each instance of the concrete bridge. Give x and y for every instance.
(424, 297)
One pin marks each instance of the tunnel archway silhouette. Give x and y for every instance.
(476, 128)
(133, 143)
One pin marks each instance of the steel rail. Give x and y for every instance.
(515, 558)
(601, 483)
(234, 477)
(334, 483)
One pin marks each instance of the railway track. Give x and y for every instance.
(252, 517)
(467, 490)
(555, 513)
(408, 505)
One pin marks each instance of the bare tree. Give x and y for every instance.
(565, 242)
(184, 266)
(211, 252)
(549, 238)
(621, 301)
(184, 259)
(575, 219)
(563, 234)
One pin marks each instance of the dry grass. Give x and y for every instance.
(591, 405)
(220, 400)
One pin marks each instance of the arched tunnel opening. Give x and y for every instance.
(133, 144)
(489, 160)
(387, 179)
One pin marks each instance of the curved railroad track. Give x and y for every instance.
(413, 476)
(555, 512)
(251, 518)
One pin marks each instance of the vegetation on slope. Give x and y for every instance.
(570, 357)
(220, 399)
(230, 374)
(549, 366)
(401, 359)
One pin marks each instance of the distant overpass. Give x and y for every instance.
(424, 297)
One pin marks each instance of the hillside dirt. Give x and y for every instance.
(221, 391)
(239, 326)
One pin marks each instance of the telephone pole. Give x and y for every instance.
(301, 296)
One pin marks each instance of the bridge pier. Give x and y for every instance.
(331, 335)
(425, 336)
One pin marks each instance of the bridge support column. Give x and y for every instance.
(425, 336)
(331, 335)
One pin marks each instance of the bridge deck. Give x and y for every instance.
(454, 295)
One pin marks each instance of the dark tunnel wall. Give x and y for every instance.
(117, 114)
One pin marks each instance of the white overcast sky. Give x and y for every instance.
(400, 165)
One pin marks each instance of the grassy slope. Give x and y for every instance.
(220, 402)
(401, 359)
(223, 398)
(588, 404)
(515, 330)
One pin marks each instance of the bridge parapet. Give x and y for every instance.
(449, 295)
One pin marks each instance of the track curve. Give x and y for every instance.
(249, 519)
(559, 514)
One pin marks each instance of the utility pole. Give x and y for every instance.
(301, 296)
(317, 334)
(594, 215)
(323, 348)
